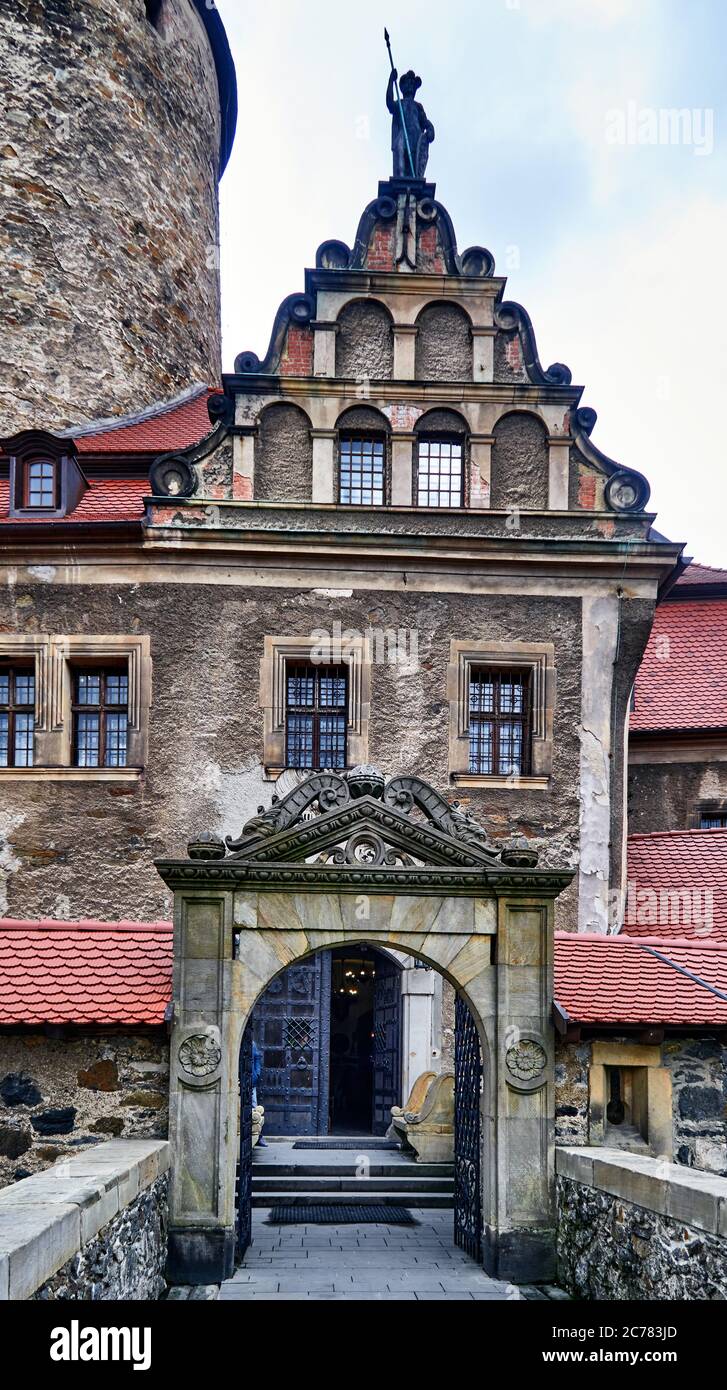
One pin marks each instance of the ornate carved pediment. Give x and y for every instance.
(358, 820)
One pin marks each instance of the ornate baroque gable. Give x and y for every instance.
(358, 830)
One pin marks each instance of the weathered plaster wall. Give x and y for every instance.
(519, 476)
(611, 1249)
(109, 225)
(443, 344)
(365, 341)
(665, 796)
(87, 849)
(59, 1094)
(125, 1261)
(283, 456)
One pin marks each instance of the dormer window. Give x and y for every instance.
(45, 477)
(40, 491)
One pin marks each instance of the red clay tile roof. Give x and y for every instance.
(120, 973)
(701, 574)
(617, 980)
(170, 425)
(682, 680)
(677, 884)
(84, 972)
(106, 499)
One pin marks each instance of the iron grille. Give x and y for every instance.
(467, 1132)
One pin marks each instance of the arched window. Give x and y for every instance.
(440, 463)
(40, 490)
(362, 458)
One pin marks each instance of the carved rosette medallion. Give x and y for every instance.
(200, 1055)
(526, 1061)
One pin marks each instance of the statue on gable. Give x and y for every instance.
(410, 128)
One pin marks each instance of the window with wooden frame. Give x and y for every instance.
(40, 485)
(315, 715)
(500, 718)
(100, 704)
(362, 470)
(440, 471)
(713, 820)
(17, 716)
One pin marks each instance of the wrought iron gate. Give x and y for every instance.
(387, 1041)
(244, 1167)
(467, 1132)
(291, 1026)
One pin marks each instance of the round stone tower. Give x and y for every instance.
(120, 116)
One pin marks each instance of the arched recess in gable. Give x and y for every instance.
(283, 455)
(365, 341)
(520, 463)
(443, 343)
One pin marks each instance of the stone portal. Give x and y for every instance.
(340, 860)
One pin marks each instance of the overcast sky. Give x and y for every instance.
(554, 148)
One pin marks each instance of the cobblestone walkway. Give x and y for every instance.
(361, 1262)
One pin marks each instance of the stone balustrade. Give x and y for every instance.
(93, 1226)
(635, 1227)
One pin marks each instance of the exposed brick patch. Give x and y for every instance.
(430, 259)
(513, 353)
(241, 487)
(297, 355)
(380, 255)
(587, 491)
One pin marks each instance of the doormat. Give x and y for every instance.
(360, 1145)
(340, 1216)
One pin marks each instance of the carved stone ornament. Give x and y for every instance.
(200, 1055)
(526, 1060)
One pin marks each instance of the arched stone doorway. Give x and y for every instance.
(346, 859)
(329, 1033)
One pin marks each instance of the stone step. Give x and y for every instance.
(338, 1183)
(415, 1171)
(262, 1197)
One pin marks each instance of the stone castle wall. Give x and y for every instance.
(109, 292)
(665, 796)
(698, 1068)
(60, 1095)
(73, 848)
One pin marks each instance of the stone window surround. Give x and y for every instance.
(53, 656)
(352, 650)
(536, 657)
(644, 1057)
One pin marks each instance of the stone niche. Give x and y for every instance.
(283, 455)
(520, 463)
(365, 341)
(443, 344)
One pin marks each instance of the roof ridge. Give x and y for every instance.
(150, 412)
(667, 834)
(680, 942)
(83, 924)
(682, 970)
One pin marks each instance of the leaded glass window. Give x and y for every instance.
(362, 471)
(499, 715)
(100, 718)
(439, 473)
(316, 713)
(17, 716)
